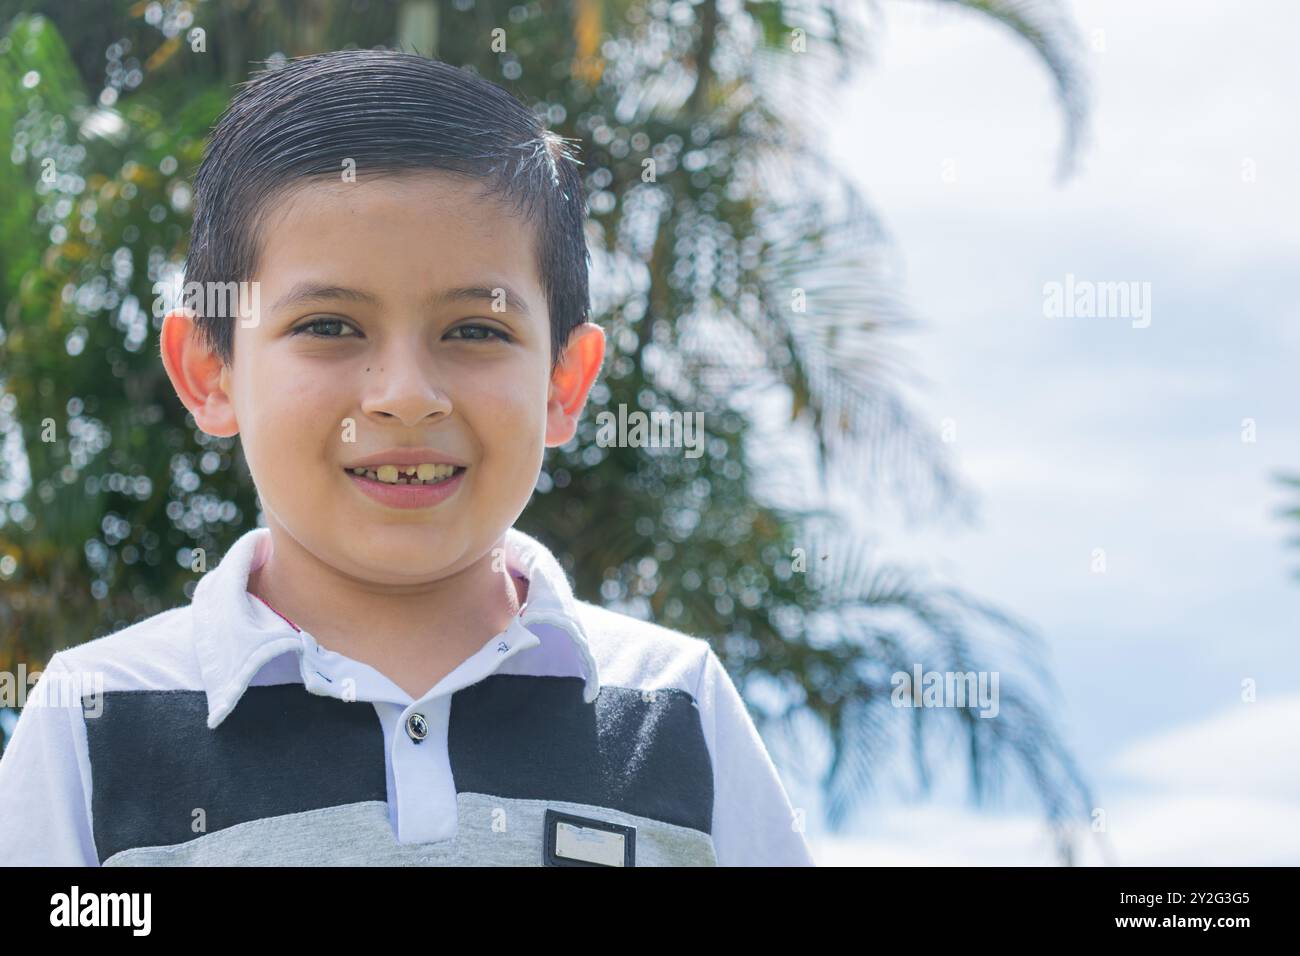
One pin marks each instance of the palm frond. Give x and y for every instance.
(871, 620)
(845, 368)
(1047, 26)
(1290, 513)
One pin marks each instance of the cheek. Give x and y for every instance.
(288, 413)
(510, 416)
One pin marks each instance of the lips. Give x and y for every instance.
(423, 473)
(408, 492)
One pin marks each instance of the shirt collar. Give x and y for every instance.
(234, 639)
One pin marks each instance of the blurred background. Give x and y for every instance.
(833, 229)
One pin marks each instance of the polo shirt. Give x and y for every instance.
(221, 733)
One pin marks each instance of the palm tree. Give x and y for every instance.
(1291, 513)
(698, 265)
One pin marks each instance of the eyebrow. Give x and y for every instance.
(315, 291)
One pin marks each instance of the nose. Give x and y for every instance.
(401, 387)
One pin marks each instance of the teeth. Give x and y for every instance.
(407, 474)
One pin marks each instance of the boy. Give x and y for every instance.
(389, 672)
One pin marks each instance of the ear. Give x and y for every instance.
(200, 377)
(573, 377)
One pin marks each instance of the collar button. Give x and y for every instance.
(417, 728)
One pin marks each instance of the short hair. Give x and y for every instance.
(390, 112)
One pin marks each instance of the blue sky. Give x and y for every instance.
(1083, 433)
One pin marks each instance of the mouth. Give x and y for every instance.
(413, 486)
(408, 474)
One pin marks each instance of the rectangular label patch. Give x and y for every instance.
(572, 840)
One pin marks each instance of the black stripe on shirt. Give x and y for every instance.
(535, 738)
(154, 761)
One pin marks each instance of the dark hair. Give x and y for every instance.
(391, 112)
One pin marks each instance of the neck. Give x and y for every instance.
(389, 626)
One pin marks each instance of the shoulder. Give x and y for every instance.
(631, 652)
(157, 651)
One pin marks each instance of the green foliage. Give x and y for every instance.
(1292, 513)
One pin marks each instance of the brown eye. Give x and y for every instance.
(482, 328)
(327, 324)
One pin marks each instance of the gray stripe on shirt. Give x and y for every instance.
(493, 831)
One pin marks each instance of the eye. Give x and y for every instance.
(482, 328)
(324, 323)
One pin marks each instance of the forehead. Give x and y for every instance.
(426, 225)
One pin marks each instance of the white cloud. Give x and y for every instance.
(1204, 830)
(1251, 750)
(940, 836)
(1224, 791)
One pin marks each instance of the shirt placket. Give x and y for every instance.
(422, 791)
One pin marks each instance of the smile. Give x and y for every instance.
(406, 490)
(408, 474)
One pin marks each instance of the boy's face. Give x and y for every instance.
(381, 362)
